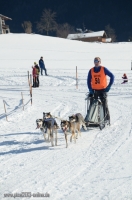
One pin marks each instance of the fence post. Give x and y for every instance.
(31, 94)
(5, 110)
(31, 79)
(30, 86)
(22, 100)
(28, 79)
(76, 79)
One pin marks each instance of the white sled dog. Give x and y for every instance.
(40, 126)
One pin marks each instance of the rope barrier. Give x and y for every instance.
(14, 110)
(57, 117)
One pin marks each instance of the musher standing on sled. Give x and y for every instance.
(97, 84)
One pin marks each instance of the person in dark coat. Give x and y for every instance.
(124, 78)
(42, 66)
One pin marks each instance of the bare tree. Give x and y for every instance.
(47, 22)
(27, 26)
(110, 33)
(130, 39)
(64, 29)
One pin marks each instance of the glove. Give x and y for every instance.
(107, 88)
(91, 91)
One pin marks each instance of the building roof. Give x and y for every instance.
(86, 35)
(108, 39)
(4, 17)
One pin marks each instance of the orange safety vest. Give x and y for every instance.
(99, 80)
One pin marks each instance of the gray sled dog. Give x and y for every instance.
(48, 126)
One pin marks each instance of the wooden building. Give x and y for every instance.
(3, 27)
(99, 36)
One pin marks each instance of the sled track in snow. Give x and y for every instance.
(108, 141)
(81, 166)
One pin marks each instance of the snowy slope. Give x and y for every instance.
(99, 165)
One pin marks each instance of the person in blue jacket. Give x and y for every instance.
(102, 93)
(42, 66)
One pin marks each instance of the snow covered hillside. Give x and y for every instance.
(99, 165)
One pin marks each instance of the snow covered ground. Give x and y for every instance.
(99, 165)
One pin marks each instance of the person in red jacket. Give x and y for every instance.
(37, 74)
(34, 74)
(124, 78)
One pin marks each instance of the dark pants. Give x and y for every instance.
(34, 82)
(37, 81)
(44, 70)
(103, 97)
(124, 81)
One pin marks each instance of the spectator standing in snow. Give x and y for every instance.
(37, 74)
(34, 74)
(97, 84)
(124, 78)
(42, 66)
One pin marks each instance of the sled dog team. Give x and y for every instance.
(48, 127)
(98, 88)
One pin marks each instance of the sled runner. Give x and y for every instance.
(96, 116)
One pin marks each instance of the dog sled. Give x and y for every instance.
(96, 114)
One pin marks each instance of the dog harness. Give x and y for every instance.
(50, 119)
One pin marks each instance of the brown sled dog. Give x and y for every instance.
(73, 125)
(69, 128)
(79, 122)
